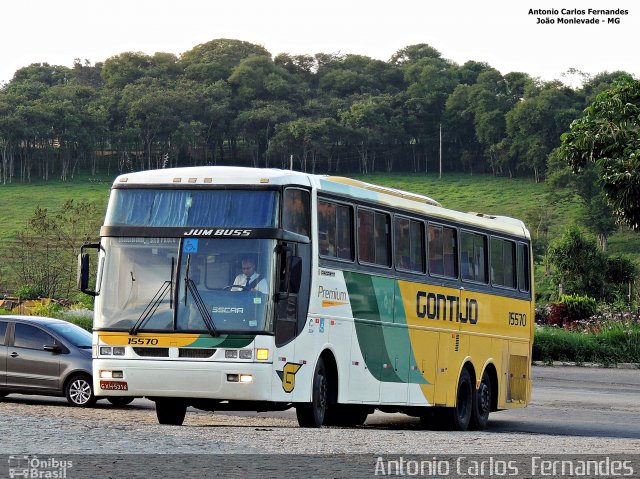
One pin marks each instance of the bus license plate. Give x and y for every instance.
(114, 385)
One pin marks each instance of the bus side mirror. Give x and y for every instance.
(83, 269)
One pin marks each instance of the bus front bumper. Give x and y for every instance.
(211, 380)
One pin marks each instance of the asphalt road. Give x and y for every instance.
(566, 401)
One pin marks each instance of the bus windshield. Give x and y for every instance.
(150, 207)
(200, 285)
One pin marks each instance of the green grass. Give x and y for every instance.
(615, 343)
(18, 201)
(520, 198)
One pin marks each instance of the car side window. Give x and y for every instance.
(26, 336)
(3, 332)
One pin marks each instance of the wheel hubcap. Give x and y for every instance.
(80, 392)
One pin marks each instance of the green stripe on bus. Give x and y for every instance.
(381, 327)
(224, 341)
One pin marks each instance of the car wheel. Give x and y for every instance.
(120, 400)
(79, 391)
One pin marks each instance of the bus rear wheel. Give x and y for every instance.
(170, 411)
(460, 415)
(481, 404)
(312, 414)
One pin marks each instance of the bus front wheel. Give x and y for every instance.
(170, 411)
(312, 414)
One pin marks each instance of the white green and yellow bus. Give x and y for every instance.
(227, 288)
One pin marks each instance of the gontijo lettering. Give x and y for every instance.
(446, 307)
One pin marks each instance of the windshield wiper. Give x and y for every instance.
(154, 304)
(190, 285)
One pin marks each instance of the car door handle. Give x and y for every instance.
(14, 355)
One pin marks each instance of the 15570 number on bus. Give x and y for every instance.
(517, 319)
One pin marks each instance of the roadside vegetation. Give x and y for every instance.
(564, 160)
(607, 338)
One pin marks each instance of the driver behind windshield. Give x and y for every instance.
(249, 279)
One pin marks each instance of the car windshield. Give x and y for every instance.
(190, 285)
(77, 336)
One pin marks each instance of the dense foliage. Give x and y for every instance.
(231, 102)
(608, 134)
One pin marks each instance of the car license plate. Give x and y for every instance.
(114, 385)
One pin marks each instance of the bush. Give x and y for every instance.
(51, 309)
(83, 322)
(568, 310)
(30, 292)
(616, 343)
(579, 307)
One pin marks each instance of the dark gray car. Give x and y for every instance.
(46, 356)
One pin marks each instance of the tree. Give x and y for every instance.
(562, 184)
(534, 125)
(48, 246)
(608, 134)
(578, 264)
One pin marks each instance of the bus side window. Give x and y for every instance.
(474, 256)
(376, 226)
(295, 214)
(409, 244)
(327, 228)
(523, 267)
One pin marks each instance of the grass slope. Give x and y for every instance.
(519, 198)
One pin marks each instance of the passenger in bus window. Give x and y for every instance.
(249, 279)
(326, 246)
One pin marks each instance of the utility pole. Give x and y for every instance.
(291, 162)
(440, 176)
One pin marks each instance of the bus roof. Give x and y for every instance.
(347, 187)
(214, 175)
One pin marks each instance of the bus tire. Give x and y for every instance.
(312, 414)
(120, 400)
(346, 415)
(481, 404)
(170, 411)
(460, 415)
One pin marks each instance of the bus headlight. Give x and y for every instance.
(105, 350)
(246, 354)
(246, 378)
